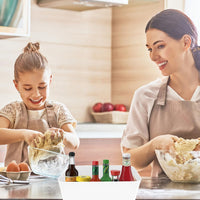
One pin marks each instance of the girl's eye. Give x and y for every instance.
(41, 88)
(27, 89)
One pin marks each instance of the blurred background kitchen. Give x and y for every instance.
(97, 54)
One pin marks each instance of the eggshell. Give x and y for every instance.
(23, 166)
(13, 167)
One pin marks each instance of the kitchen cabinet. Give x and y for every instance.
(14, 18)
(98, 149)
(99, 141)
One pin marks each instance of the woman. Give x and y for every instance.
(167, 107)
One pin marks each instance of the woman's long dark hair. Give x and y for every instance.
(176, 24)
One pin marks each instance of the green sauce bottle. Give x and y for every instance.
(105, 176)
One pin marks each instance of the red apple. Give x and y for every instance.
(107, 107)
(120, 107)
(97, 107)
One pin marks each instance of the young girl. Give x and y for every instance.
(22, 122)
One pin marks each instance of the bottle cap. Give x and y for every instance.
(83, 178)
(126, 155)
(71, 154)
(115, 172)
(95, 162)
(105, 161)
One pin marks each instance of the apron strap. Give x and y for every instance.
(16, 151)
(161, 99)
(51, 116)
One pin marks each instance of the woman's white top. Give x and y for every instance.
(140, 111)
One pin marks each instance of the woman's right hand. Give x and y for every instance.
(164, 142)
(32, 137)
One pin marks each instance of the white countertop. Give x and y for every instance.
(98, 130)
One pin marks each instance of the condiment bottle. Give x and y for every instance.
(126, 173)
(71, 173)
(95, 171)
(115, 175)
(83, 178)
(105, 176)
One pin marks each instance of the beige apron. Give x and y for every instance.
(180, 118)
(18, 151)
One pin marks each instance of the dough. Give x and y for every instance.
(49, 143)
(182, 148)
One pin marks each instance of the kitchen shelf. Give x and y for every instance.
(20, 22)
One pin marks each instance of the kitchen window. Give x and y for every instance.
(192, 10)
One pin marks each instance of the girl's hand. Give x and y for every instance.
(57, 134)
(164, 142)
(32, 137)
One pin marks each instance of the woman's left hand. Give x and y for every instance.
(164, 142)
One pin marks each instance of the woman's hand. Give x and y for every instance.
(32, 137)
(164, 142)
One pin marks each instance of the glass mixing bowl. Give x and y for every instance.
(47, 163)
(184, 167)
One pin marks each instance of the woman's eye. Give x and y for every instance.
(27, 89)
(150, 50)
(161, 46)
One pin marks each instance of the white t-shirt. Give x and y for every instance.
(136, 131)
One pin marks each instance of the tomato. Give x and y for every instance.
(106, 107)
(120, 107)
(97, 107)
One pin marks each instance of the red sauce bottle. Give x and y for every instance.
(95, 171)
(126, 173)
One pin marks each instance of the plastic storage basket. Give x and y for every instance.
(99, 190)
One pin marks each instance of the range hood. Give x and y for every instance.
(80, 5)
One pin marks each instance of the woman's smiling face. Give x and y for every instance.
(34, 88)
(165, 51)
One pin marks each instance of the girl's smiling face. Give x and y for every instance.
(33, 87)
(165, 51)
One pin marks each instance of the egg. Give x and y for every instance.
(24, 166)
(13, 167)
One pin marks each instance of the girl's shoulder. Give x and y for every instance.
(15, 105)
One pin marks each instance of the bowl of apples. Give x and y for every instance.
(110, 113)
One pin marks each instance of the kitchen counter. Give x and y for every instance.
(98, 130)
(163, 188)
(150, 188)
(39, 188)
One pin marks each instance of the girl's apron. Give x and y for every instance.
(18, 151)
(180, 118)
